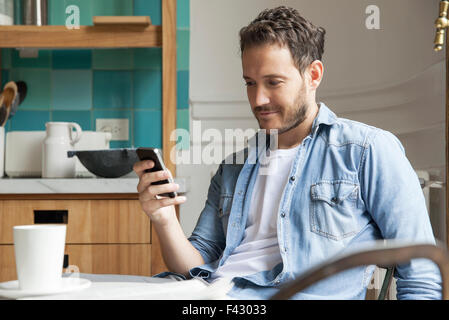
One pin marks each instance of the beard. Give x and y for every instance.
(295, 118)
(294, 115)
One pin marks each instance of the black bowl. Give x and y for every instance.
(108, 163)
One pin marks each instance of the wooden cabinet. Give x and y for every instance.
(132, 259)
(88, 221)
(104, 236)
(106, 233)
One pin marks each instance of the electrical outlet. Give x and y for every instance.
(119, 128)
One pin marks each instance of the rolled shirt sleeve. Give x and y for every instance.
(208, 235)
(392, 194)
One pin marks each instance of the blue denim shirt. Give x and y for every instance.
(350, 184)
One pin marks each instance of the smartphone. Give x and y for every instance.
(155, 155)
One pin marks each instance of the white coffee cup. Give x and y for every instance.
(39, 252)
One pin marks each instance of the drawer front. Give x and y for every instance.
(88, 221)
(129, 259)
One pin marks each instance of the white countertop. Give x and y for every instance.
(126, 184)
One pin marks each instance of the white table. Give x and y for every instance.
(120, 287)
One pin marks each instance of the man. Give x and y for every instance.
(339, 184)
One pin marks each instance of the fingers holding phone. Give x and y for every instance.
(141, 167)
(155, 156)
(152, 190)
(157, 190)
(146, 179)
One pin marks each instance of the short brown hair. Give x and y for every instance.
(285, 26)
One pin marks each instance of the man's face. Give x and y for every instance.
(276, 91)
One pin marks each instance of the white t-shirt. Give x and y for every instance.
(259, 249)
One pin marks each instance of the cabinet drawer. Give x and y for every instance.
(128, 259)
(88, 221)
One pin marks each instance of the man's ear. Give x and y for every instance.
(315, 74)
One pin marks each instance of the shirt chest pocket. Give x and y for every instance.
(332, 209)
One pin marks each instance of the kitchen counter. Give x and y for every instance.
(126, 184)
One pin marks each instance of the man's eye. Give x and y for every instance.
(249, 84)
(274, 83)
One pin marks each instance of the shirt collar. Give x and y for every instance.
(325, 116)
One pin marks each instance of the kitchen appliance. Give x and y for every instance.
(58, 140)
(23, 152)
(6, 12)
(112, 163)
(34, 12)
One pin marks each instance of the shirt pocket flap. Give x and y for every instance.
(334, 192)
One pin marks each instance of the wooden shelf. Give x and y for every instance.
(101, 36)
(143, 21)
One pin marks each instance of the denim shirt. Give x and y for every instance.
(350, 184)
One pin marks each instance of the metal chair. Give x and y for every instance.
(384, 254)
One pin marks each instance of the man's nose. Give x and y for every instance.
(261, 97)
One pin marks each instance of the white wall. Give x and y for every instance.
(390, 78)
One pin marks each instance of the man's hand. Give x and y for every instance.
(159, 209)
(178, 253)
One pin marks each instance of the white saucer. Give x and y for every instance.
(10, 289)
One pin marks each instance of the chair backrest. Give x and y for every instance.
(384, 253)
(386, 284)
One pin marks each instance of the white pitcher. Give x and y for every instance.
(59, 140)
